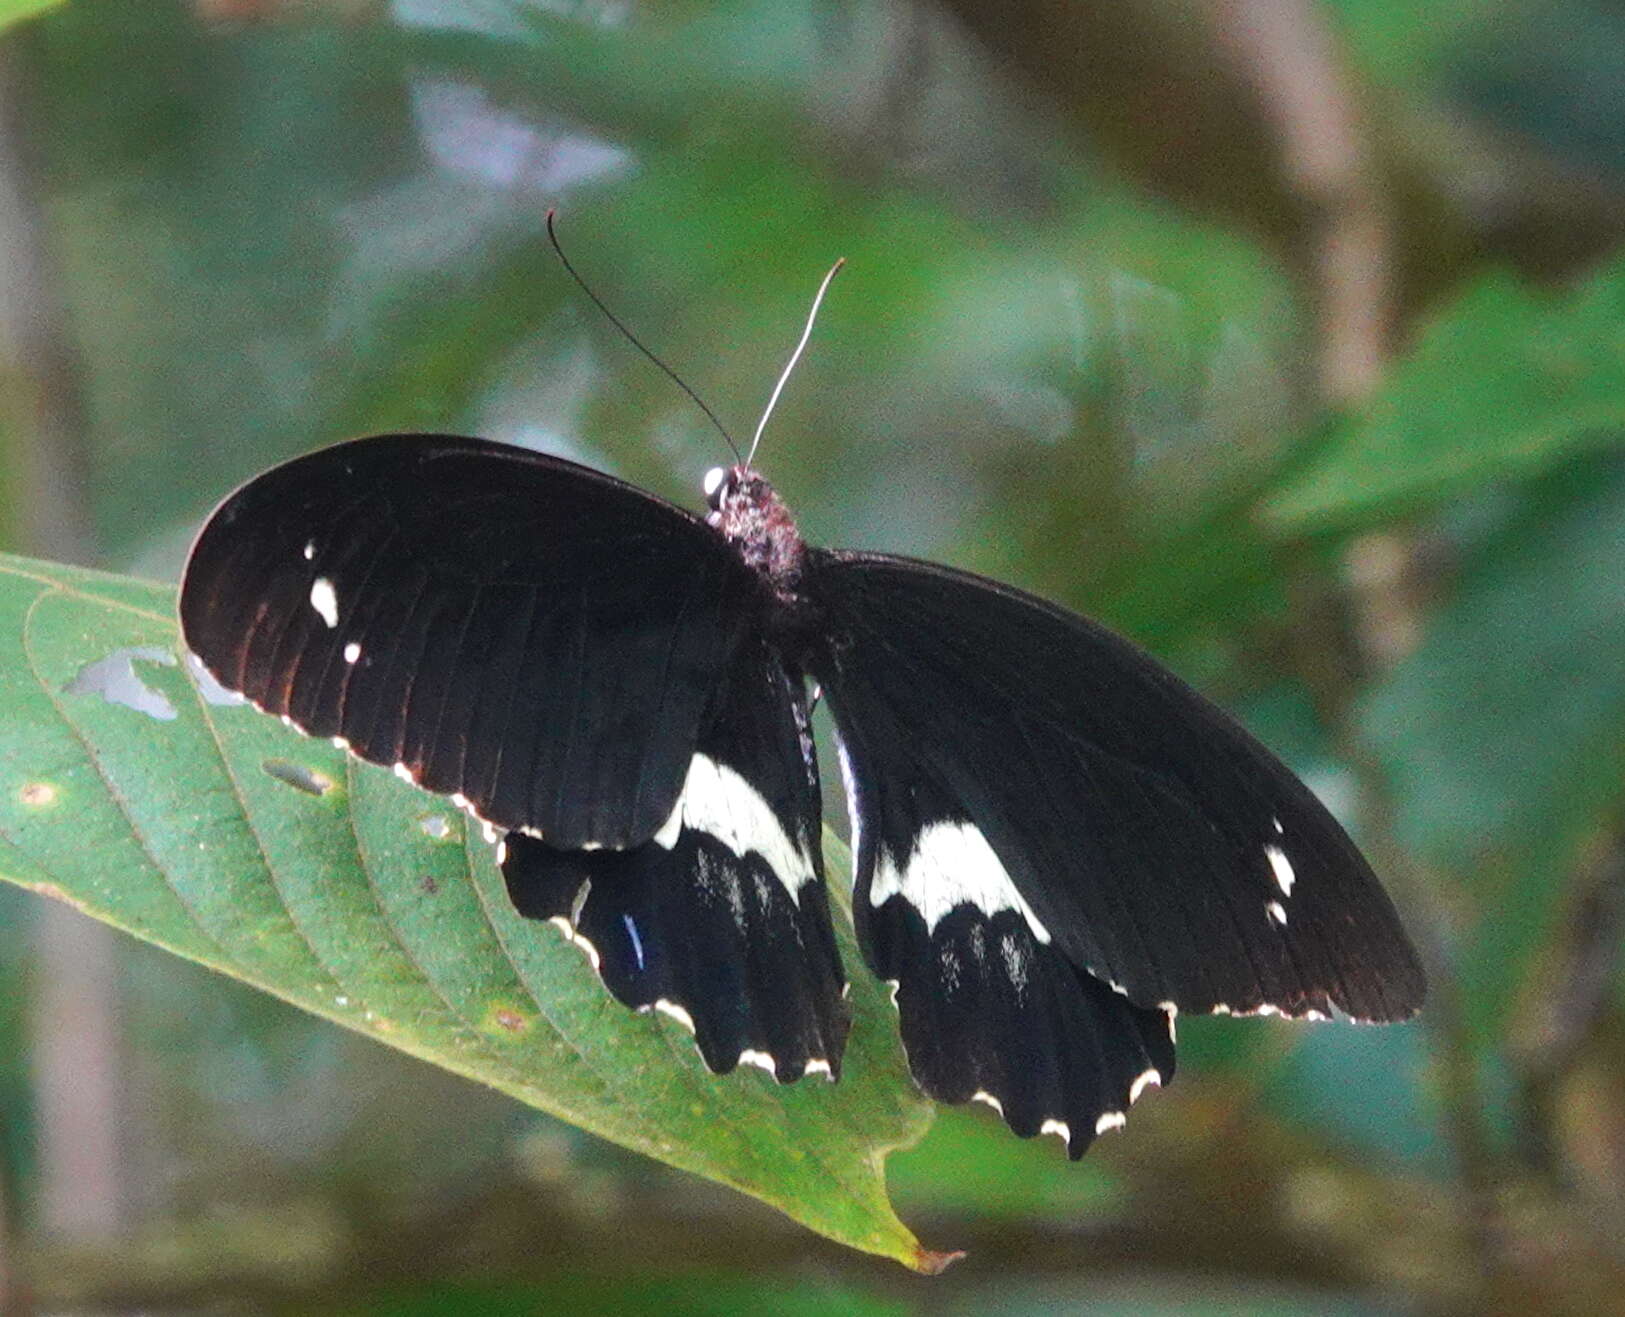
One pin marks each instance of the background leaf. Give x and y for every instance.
(1547, 379)
(1495, 783)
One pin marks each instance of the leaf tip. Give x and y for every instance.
(929, 1262)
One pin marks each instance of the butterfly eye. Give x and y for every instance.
(715, 485)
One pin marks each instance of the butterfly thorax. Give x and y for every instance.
(754, 519)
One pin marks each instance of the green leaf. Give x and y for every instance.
(15, 11)
(221, 835)
(1504, 383)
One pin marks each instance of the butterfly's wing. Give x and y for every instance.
(525, 634)
(1018, 772)
(722, 918)
(585, 667)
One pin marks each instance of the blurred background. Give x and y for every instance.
(1280, 334)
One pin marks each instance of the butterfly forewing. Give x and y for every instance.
(1155, 842)
(531, 636)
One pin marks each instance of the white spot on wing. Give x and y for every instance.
(352, 652)
(1017, 960)
(666, 838)
(717, 801)
(310, 550)
(713, 480)
(676, 1012)
(1277, 913)
(761, 1060)
(983, 1096)
(817, 1066)
(324, 599)
(1151, 1076)
(403, 772)
(563, 925)
(951, 865)
(853, 816)
(1110, 1120)
(1058, 1128)
(1281, 867)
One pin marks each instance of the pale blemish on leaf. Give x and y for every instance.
(309, 780)
(114, 678)
(38, 795)
(210, 689)
(507, 1019)
(436, 826)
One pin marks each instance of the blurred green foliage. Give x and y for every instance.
(274, 224)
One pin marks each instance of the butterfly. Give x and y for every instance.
(1058, 845)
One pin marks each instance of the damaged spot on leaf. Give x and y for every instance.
(436, 826)
(298, 776)
(38, 795)
(114, 678)
(210, 689)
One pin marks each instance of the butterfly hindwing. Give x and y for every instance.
(512, 629)
(989, 1007)
(722, 919)
(1162, 848)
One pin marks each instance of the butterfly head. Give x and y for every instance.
(753, 518)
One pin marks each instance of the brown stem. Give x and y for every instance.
(1582, 980)
(1288, 54)
(1331, 658)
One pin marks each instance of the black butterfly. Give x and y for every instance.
(1058, 844)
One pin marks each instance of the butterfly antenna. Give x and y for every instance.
(632, 338)
(794, 357)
